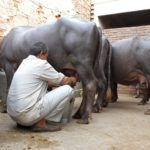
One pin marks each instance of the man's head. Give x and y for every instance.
(40, 50)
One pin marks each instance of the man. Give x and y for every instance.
(28, 102)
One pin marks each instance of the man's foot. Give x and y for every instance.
(147, 112)
(46, 128)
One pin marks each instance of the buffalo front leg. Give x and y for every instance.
(3, 93)
(9, 69)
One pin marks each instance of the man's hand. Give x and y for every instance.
(73, 81)
(69, 80)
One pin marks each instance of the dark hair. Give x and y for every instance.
(37, 48)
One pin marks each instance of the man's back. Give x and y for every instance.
(25, 90)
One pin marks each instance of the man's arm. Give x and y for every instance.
(66, 80)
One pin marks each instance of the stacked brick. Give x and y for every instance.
(122, 33)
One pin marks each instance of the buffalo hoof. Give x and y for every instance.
(96, 109)
(147, 112)
(113, 101)
(104, 104)
(3, 110)
(83, 121)
(136, 96)
(142, 102)
(76, 116)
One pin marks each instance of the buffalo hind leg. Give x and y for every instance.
(85, 109)
(80, 111)
(103, 98)
(97, 107)
(146, 95)
(114, 92)
(90, 90)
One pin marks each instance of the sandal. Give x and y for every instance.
(46, 128)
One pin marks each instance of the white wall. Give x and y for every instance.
(105, 7)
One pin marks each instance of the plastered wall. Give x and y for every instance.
(32, 12)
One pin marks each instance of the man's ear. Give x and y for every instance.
(41, 53)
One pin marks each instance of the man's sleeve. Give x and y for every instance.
(50, 74)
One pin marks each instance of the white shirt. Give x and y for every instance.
(29, 85)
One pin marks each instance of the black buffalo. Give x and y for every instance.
(73, 44)
(130, 64)
(103, 76)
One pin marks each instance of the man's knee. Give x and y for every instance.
(69, 90)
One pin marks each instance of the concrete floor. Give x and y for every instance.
(120, 126)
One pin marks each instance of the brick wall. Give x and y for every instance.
(82, 8)
(32, 12)
(130, 90)
(121, 33)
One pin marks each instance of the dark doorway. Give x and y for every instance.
(129, 19)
